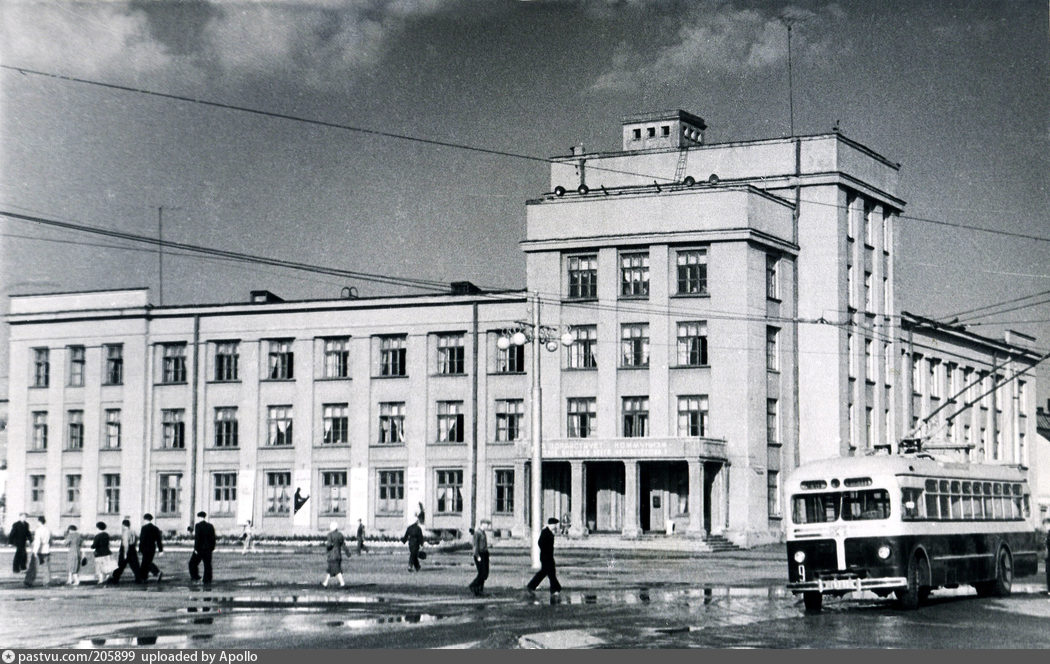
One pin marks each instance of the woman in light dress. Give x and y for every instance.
(74, 540)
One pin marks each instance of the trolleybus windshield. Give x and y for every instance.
(863, 505)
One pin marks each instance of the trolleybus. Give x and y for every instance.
(907, 524)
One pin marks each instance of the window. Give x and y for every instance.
(392, 422)
(227, 357)
(581, 354)
(173, 363)
(932, 367)
(634, 275)
(582, 412)
(869, 304)
(510, 359)
(634, 345)
(336, 424)
(887, 364)
(504, 491)
(869, 426)
(692, 415)
(279, 424)
(391, 492)
(772, 286)
(650, 131)
(173, 428)
(36, 494)
(773, 493)
(111, 434)
(772, 356)
(509, 416)
(39, 440)
(692, 272)
(583, 277)
(278, 495)
(637, 133)
(450, 354)
(111, 493)
(75, 430)
(170, 487)
(281, 360)
(869, 230)
(333, 492)
(450, 422)
(772, 422)
(885, 294)
(665, 130)
(449, 491)
(850, 364)
(72, 505)
(887, 231)
(41, 367)
(392, 356)
(226, 427)
(76, 366)
(851, 217)
(869, 361)
(851, 296)
(337, 358)
(635, 417)
(916, 373)
(114, 364)
(692, 344)
(224, 493)
(1022, 397)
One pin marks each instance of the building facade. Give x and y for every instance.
(728, 310)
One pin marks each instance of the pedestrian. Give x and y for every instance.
(19, 538)
(546, 543)
(151, 543)
(421, 514)
(203, 545)
(360, 537)
(104, 564)
(481, 559)
(74, 540)
(414, 537)
(41, 552)
(335, 544)
(128, 555)
(248, 537)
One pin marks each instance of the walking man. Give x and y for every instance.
(360, 537)
(248, 537)
(546, 542)
(128, 555)
(42, 551)
(481, 559)
(335, 545)
(19, 538)
(203, 545)
(151, 543)
(414, 536)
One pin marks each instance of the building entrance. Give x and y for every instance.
(664, 496)
(604, 483)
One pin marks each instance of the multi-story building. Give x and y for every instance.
(729, 313)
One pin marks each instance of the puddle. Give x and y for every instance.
(164, 640)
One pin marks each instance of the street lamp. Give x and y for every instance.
(549, 338)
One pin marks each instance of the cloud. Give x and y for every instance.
(719, 38)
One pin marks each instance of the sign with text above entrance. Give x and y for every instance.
(632, 448)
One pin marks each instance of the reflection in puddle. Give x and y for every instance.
(165, 640)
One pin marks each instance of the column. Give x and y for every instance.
(576, 498)
(521, 499)
(630, 500)
(696, 498)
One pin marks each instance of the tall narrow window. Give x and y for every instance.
(281, 360)
(634, 345)
(39, 440)
(391, 498)
(75, 428)
(173, 428)
(450, 422)
(772, 422)
(509, 415)
(692, 344)
(72, 505)
(278, 492)
(41, 367)
(582, 412)
(337, 358)
(869, 361)
(114, 364)
(333, 492)
(226, 427)
(869, 303)
(392, 356)
(449, 491)
(634, 275)
(510, 359)
(111, 493)
(450, 360)
(773, 493)
(392, 422)
(692, 415)
(582, 353)
(772, 354)
(504, 491)
(869, 229)
(851, 365)
(583, 277)
(336, 424)
(36, 494)
(224, 493)
(111, 436)
(692, 272)
(170, 487)
(76, 366)
(635, 417)
(772, 284)
(173, 363)
(227, 357)
(279, 425)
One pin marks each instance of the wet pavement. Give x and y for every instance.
(618, 599)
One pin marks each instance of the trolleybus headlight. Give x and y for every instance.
(800, 556)
(884, 552)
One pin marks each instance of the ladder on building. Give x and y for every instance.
(679, 171)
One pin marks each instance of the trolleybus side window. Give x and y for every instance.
(815, 508)
(931, 499)
(956, 500)
(986, 490)
(864, 505)
(911, 504)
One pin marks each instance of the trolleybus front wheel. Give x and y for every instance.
(813, 601)
(915, 592)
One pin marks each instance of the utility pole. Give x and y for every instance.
(791, 86)
(160, 252)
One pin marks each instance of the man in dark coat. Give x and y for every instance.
(203, 545)
(151, 542)
(414, 536)
(128, 555)
(481, 559)
(19, 538)
(546, 542)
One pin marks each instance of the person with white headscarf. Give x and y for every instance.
(335, 544)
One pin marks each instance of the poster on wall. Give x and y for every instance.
(415, 479)
(302, 501)
(245, 496)
(358, 507)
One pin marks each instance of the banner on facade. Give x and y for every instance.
(302, 504)
(415, 487)
(358, 507)
(245, 496)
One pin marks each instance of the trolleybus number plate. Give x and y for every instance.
(839, 584)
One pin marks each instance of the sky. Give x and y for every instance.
(957, 92)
